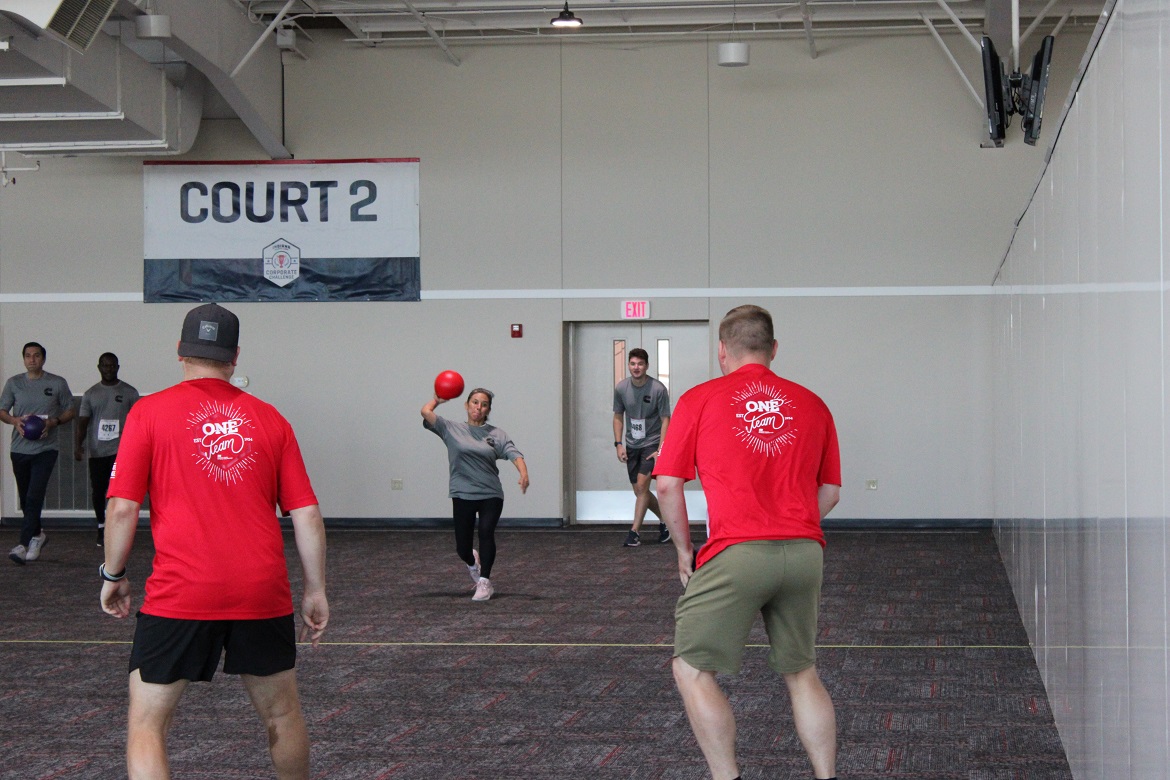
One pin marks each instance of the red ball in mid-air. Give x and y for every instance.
(448, 385)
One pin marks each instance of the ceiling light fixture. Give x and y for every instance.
(566, 18)
(733, 54)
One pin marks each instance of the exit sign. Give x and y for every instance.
(635, 310)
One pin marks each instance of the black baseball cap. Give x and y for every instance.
(210, 331)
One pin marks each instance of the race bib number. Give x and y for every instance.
(108, 430)
(637, 429)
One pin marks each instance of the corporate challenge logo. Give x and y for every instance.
(223, 447)
(765, 415)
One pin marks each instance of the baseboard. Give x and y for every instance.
(904, 523)
(371, 523)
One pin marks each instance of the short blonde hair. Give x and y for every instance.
(747, 329)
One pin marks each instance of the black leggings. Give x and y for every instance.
(99, 481)
(464, 512)
(32, 474)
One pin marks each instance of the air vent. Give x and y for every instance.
(78, 22)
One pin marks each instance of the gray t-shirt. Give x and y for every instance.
(107, 406)
(48, 396)
(472, 452)
(644, 408)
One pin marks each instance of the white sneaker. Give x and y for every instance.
(35, 545)
(484, 590)
(474, 570)
(18, 554)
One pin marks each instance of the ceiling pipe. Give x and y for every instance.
(537, 37)
(806, 17)
(260, 41)
(959, 23)
(434, 36)
(958, 69)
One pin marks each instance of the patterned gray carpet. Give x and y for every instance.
(564, 674)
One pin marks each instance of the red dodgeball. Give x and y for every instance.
(448, 385)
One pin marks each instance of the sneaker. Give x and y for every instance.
(632, 539)
(484, 590)
(663, 533)
(35, 545)
(101, 537)
(474, 570)
(18, 554)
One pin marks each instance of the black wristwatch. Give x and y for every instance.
(617, 444)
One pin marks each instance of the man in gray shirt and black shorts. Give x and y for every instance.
(641, 414)
(108, 402)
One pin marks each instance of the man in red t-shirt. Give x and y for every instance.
(766, 452)
(216, 463)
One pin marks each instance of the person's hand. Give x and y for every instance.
(654, 454)
(79, 452)
(621, 452)
(314, 617)
(20, 424)
(523, 483)
(441, 400)
(116, 598)
(686, 563)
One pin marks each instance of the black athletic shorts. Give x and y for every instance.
(168, 649)
(638, 461)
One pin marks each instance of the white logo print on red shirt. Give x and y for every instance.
(764, 418)
(223, 444)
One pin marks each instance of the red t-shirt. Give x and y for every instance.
(762, 446)
(216, 462)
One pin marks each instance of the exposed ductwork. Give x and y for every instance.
(126, 94)
(75, 22)
(107, 100)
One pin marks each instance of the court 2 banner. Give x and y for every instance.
(319, 230)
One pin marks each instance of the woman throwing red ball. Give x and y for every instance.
(473, 447)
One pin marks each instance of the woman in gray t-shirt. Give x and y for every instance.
(473, 447)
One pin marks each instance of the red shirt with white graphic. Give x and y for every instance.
(216, 463)
(762, 446)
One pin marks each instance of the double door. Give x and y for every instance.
(680, 358)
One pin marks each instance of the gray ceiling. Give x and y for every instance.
(130, 91)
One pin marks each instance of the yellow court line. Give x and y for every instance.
(626, 645)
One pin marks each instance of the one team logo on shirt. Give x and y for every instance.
(765, 418)
(223, 446)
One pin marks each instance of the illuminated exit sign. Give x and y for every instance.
(635, 310)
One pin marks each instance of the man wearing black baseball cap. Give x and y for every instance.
(211, 331)
(216, 462)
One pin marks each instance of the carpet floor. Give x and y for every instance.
(565, 673)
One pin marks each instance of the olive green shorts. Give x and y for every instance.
(780, 580)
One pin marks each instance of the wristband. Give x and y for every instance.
(105, 575)
(617, 444)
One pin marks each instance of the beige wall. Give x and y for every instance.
(550, 172)
(1081, 406)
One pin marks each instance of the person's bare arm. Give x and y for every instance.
(522, 467)
(121, 523)
(428, 410)
(619, 435)
(673, 505)
(79, 433)
(309, 532)
(827, 498)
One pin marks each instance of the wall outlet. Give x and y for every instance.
(871, 484)
(396, 484)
